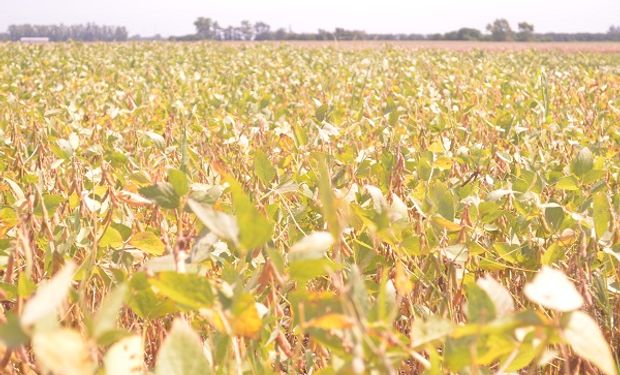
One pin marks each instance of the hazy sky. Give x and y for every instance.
(168, 17)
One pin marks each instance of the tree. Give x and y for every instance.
(526, 31)
(204, 28)
(246, 30)
(500, 30)
(262, 31)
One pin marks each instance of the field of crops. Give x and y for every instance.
(203, 208)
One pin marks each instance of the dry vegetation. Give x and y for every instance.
(204, 208)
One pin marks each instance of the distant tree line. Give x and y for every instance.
(208, 29)
(498, 30)
(89, 32)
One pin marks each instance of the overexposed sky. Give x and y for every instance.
(166, 17)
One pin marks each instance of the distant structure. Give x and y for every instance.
(34, 39)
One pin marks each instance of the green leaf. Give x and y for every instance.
(583, 162)
(307, 269)
(263, 168)
(125, 357)
(144, 302)
(442, 200)
(51, 202)
(568, 183)
(25, 286)
(49, 296)
(601, 213)
(254, 229)
(498, 294)
(12, 334)
(222, 225)
(181, 353)
(326, 196)
(179, 181)
(480, 307)
(585, 337)
(111, 238)
(429, 330)
(162, 194)
(105, 318)
(188, 289)
(554, 215)
(148, 242)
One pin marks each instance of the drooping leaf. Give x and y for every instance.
(162, 194)
(222, 225)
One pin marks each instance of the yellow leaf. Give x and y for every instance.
(148, 242)
(331, 321)
(450, 226)
(246, 321)
(402, 283)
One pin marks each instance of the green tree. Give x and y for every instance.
(526, 31)
(500, 30)
(205, 28)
